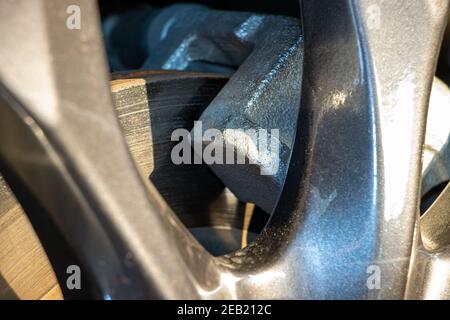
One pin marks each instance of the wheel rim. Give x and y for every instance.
(316, 221)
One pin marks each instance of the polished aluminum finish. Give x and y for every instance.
(435, 223)
(436, 153)
(430, 268)
(350, 201)
(430, 277)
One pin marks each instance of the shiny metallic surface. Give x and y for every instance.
(430, 269)
(430, 272)
(430, 276)
(436, 153)
(350, 203)
(355, 206)
(77, 164)
(435, 223)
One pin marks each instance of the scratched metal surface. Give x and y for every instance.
(345, 206)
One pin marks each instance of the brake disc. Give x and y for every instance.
(346, 209)
(152, 105)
